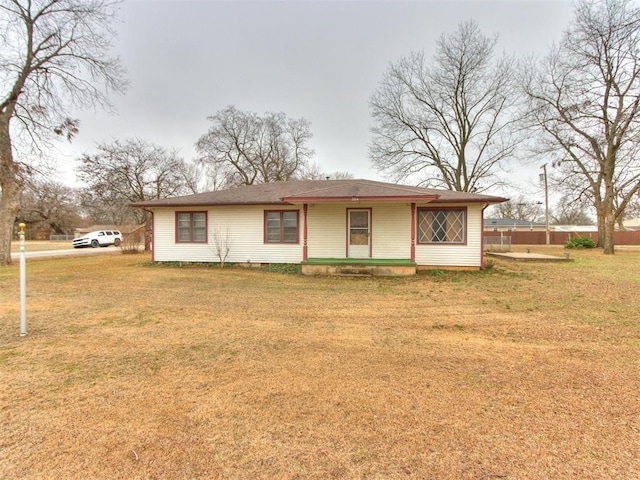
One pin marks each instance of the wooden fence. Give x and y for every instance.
(559, 238)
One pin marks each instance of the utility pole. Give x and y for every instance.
(546, 202)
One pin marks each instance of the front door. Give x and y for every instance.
(359, 232)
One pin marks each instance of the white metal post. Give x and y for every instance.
(546, 203)
(23, 284)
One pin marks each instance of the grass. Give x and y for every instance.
(526, 371)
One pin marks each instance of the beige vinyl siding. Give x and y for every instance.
(245, 225)
(469, 255)
(391, 231)
(326, 231)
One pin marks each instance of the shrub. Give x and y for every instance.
(436, 272)
(294, 268)
(130, 243)
(580, 242)
(489, 263)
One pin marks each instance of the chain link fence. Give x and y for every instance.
(61, 237)
(497, 244)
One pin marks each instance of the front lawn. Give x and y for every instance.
(130, 370)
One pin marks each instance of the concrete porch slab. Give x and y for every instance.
(529, 257)
(358, 267)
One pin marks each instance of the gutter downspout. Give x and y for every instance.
(482, 237)
(153, 233)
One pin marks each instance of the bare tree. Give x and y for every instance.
(222, 242)
(313, 171)
(519, 208)
(450, 122)
(54, 57)
(245, 148)
(132, 171)
(585, 99)
(568, 211)
(49, 207)
(107, 208)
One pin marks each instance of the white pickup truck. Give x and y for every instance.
(99, 238)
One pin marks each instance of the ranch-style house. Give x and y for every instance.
(328, 226)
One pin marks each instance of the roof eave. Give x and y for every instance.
(204, 204)
(366, 198)
(472, 200)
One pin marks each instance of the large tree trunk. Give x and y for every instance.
(609, 207)
(11, 185)
(600, 218)
(9, 204)
(609, 233)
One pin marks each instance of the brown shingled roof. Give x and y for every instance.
(297, 191)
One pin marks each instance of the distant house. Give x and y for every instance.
(324, 225)
(512, 225)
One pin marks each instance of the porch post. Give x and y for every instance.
(413, 232)
(305, 209)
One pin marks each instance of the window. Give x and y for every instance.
(281, 226)
(447, 225)
(191, 227)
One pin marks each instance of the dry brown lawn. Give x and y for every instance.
(134, 371)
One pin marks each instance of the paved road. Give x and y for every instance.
(65, 253)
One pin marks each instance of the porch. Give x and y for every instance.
(358, 267)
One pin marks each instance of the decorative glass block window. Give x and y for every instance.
(191, 227)
(281, 226)
(447, 225)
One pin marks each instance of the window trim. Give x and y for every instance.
(464, 211)
(281, 242)
(191, 240)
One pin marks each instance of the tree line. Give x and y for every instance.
(457, 119)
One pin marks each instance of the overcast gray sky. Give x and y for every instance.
(320, 60)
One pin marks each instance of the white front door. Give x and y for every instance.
(359, 233)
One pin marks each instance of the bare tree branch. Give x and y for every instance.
(451, 122)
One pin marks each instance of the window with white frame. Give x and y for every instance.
(444, 225)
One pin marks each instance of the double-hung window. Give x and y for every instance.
(281, 226)
(191, 227)
(446, 225)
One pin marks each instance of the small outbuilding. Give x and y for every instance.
(328, 226)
